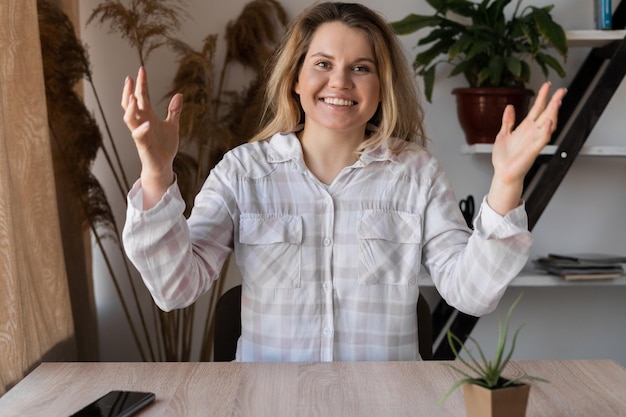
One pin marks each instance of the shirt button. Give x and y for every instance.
(327, 331)
(327, 241)
(327, 286)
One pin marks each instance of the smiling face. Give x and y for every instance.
(338, 83)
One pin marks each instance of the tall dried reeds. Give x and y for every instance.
(77, 136)
(145, 24)
(213, 121)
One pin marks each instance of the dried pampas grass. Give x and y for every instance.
(213, 121)
(145, 24)
(78, 139)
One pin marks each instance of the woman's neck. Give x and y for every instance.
(327, 153)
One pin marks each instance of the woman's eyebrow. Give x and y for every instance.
(361, 59)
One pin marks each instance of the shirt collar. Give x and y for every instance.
(379, 154)
(286, 147)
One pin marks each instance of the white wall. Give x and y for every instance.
(585, 215)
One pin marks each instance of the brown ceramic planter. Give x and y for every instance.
(480, 110)
(502, 402)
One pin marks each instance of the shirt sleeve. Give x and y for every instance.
(175, 268)
(490, 223)
(471, 270)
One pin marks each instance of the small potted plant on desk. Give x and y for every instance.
(492, 50)
(488, 393)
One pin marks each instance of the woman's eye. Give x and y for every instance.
(322, 64)
(361, 68)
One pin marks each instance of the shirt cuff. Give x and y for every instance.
(491, 224)
(135, 198)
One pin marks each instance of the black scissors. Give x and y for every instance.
(467, 209)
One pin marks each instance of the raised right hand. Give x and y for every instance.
(156, 139)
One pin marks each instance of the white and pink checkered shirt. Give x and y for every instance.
(329, 271)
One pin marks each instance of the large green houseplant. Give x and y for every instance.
(489, 46)
(487, 392)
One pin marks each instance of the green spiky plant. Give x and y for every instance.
(487, 373)
(480, 41)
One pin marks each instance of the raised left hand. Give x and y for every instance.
(515, 150)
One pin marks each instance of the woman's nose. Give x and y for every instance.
(340, 79)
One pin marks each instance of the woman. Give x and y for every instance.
(335, 207)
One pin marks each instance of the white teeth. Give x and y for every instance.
(338, 101)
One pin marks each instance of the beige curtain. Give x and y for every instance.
(35, 314)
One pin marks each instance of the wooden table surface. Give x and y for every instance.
(389, 389)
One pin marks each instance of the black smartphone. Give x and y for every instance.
(116, 404)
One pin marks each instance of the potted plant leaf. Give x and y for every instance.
(486, 391)
(492, 49)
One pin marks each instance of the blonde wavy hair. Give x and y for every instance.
(399, 114)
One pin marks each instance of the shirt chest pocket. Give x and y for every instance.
(389, 247)
(270, 250)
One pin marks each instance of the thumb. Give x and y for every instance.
(508, 119)
(174, 108)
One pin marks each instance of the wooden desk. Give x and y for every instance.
(389, 389)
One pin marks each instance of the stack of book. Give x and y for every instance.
(582, 267)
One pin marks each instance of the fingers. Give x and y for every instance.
(174, 109)
(508, 119)
(139, 116)
(555, 102)
(138, 126)
(540, 102)
(127, 91)
(141, 90)
(135, 100)
(141, 132)
(131, 117)
(138, 89)
(544, 114)
(549, 115)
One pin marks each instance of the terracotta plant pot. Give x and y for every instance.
(502, 402)
(480, 110)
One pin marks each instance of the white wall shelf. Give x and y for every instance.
(531, 278)
(619, 151)
(593, 38)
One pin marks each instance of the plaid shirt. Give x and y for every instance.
(329, 271)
